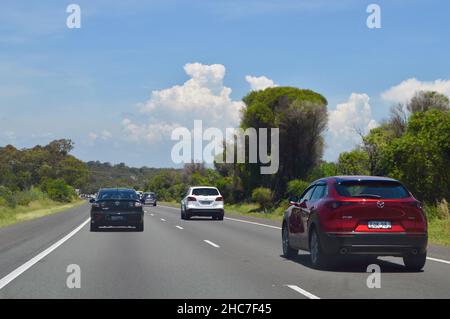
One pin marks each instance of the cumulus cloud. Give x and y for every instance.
(203, 96)
(347, 121)
(103, 135)
(151, 133)
(404, 91)
(259, 82)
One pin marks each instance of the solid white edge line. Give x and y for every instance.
(439, 260)
(254, 223)
(179, 227)
(21, 269)
(211, 243)
(279, 228)
(303, 292)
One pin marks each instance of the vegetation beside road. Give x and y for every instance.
(35, 209)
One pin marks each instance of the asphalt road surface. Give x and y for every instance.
(200, 258)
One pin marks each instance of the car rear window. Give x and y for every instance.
(118, 195)
(372, 189)
(205, 191)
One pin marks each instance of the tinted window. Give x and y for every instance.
(372, 189)
(117, 194)
(307, 195)
(319, 192)
(205, 191)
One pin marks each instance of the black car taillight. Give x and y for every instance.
(191, 199)
(219, 199)
(337, 204)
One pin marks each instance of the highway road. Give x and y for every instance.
(236, 258)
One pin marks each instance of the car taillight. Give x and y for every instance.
(337, 204)
(191, 199)
(219, 199)
(135, 204)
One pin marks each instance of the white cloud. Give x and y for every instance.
(103, 135)
(203, 96)
(404, 91)
(151, 133)
(259, 82)
(347, 121)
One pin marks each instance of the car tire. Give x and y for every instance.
(288, 251)
(140, 227)
(319, 259)
(220, 217)
(182, 214)
(415, 262)
(187, 216)
(94, 228)
(154, 204)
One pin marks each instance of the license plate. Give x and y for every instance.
(117, 218)
(205, 202)
(376, 224)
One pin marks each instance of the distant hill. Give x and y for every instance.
(119, 175)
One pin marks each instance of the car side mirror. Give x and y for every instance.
(92, 200)
(293, 200)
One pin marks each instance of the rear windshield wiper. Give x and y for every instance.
(367, 195)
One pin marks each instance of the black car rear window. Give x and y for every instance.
(372, 189)
(205, 191)
(118, 195)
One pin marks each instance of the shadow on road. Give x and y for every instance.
(353, 264)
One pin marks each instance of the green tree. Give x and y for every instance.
(355, 162)
(301, 116)
(421, 157)
(426, 100)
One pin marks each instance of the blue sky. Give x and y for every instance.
(94, 84)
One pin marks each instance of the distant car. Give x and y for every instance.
(356, 215)
(117, 207)
(202, 201)
(149, 198)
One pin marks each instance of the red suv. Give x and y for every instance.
(356, 215)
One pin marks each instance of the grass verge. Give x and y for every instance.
(35, 209)
(439, 231)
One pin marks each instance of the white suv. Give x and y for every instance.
(202, 201)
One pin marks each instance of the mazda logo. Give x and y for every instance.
(380, 204)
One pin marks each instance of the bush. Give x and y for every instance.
(7, 197)
(296, 187)
(262, 196)
(58, 190)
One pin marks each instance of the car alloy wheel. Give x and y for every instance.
(314, 248)
(287, 250)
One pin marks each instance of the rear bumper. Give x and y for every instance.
(205, 212)
(380, 244)
(127, 219)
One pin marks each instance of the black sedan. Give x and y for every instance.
(117, 207)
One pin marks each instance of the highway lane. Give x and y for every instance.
(207, 259)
